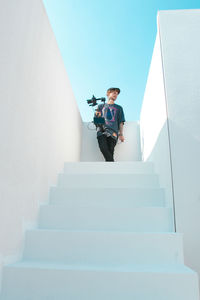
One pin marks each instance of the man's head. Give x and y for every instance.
(112, 93)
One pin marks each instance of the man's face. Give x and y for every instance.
(113, 95)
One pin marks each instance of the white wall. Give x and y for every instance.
(180, 31)
(153, 124)
(124, 151)
(40, 125)
(180, 48)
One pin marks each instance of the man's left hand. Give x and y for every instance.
(121, 137)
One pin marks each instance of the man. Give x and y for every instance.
(108, 133)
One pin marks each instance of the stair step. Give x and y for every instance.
(126, 197)
(105, 217)
(109, 167)
(106, 234)
(39, 281)
(111, 180)
(103, 247)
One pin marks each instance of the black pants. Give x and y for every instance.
(107, 145)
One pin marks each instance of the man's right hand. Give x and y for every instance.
(97, 113)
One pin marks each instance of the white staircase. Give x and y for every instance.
(106, 234)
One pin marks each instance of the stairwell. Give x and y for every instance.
(105, 234)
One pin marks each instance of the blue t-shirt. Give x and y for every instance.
(114, 115)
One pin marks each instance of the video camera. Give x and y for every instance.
(94, 100)
(98, 119)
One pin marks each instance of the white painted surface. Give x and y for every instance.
(153, 123)
(98, 250)
(103, 248)
(129, 150)
(92, 283)
(132, 167)
(108, 180)
(180, 31)
(134, 196)
(106, 217)
(180, 48)
(40, 125)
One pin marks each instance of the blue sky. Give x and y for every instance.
(108, 43)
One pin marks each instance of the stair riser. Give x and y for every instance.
(109, 167)
(108, 180)
(40, 284)
(141, 219)
(103, 248)
(110, 196)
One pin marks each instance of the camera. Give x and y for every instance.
(98, 119)
(93, 100)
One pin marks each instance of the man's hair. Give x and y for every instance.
(110, 90)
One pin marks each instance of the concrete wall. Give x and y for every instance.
(180, 48)
(129, 150)
(153, 124)
(40, 125)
